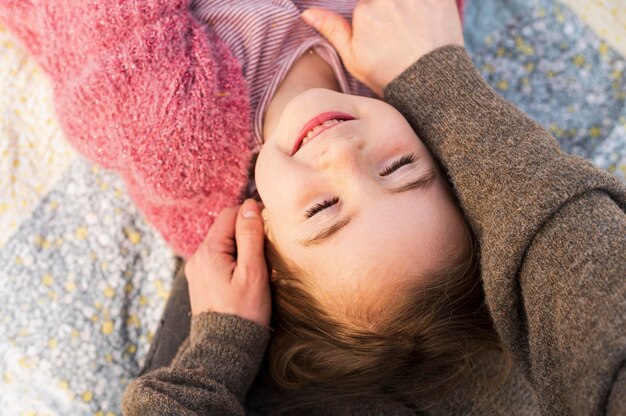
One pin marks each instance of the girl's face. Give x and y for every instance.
(359, 203)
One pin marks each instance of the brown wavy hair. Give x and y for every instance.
(409, 346)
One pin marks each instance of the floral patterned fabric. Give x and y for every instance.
(84, 278)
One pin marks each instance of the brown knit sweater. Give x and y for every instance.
(552, 234)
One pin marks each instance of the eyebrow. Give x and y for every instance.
(423, 181)
(328, 231)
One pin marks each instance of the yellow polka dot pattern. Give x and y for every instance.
(33, 152)
(68, 341)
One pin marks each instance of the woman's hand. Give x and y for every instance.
(228, 272)
(388, 36)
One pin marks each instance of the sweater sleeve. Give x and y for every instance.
(210, 375)
(551, 229)
(143, 89)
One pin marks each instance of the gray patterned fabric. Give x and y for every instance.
(83, 284)
(553, 66)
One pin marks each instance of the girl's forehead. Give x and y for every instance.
(391, 243)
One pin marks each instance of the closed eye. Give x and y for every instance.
(404, 160)
(321, 206)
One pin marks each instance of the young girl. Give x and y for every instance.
(351, 166)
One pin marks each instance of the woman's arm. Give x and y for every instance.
(551, 227)
(210, 375)
(230, 306)
(143, 89)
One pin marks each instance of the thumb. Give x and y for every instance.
(249, 236)
(333, 27)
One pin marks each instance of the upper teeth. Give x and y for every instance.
(315, 130)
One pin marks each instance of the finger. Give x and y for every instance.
(250, 237)
(333, 27)
(222, 233)
(217, 251)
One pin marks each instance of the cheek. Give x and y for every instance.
(262, 172)
(275, 175)
(276, 192)
(449, 230)
(393, 130)
(428, 230)
(268, 171)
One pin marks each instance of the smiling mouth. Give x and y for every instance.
(318, 125)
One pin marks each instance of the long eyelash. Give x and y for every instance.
(322, 205)
(404, 160)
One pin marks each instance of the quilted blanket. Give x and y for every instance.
(84, 278)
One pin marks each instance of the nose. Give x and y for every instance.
(341, 153)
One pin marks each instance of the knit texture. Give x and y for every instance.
(551, 228)
(235, 347)
(143, 89)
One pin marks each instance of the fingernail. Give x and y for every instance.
(249, 214)
(310, 18)
(251, 209)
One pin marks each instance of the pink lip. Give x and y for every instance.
(316, 121)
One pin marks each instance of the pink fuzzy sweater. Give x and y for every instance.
(144, 89)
